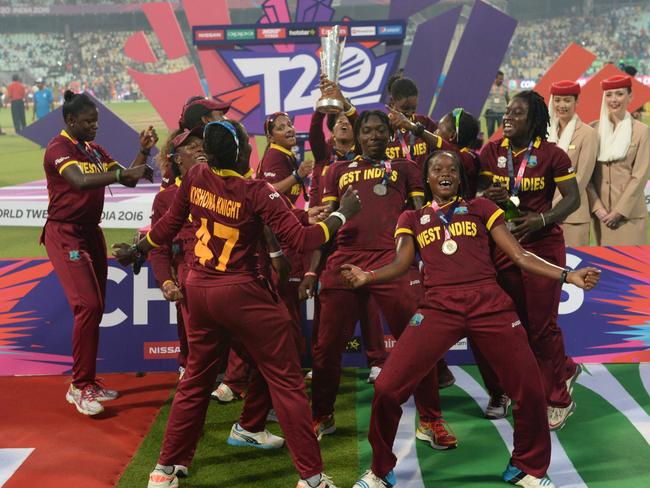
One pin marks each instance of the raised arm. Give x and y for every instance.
(585, 278)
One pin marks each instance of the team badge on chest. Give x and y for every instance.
(501, 162)
(425, 219)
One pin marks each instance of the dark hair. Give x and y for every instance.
(400, 87)
(164, 158)
(73, 103)
(537, 113)
(468, 128)
(331, 121)
(630, 70)
(463, 187)
(365, 115)
(220, 145)
(500, 73)
(15, 77)
(192, 116)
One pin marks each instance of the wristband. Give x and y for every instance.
(145, 153)
(543, 220)
(276, 254)
(419, 129)
(564, 275)
(372, 275)
(310, 273)
(296, 176)
(340, 216)
(118, 175)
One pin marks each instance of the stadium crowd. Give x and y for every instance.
(622, 36)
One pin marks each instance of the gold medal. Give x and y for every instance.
(449, 247)
(515, 200)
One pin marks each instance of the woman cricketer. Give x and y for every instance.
(462, 299)
(77, 172)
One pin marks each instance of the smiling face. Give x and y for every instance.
(515, 120)
(617, 101)
(564, 107)
(443, 177)
(373, 137)
(83, 126)
(282, 132)
(342, 132)
(189, 154)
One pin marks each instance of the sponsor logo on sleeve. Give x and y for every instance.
(61, 159)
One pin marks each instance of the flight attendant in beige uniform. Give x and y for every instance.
(616, 192)
(580, 142)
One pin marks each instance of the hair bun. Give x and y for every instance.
(68, 95)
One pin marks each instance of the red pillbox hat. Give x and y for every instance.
(618, 81)
(565, 87)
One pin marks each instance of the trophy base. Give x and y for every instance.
(329, 106)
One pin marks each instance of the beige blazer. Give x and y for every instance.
(583, 151)
(619, 185)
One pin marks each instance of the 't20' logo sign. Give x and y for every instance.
(290, 81)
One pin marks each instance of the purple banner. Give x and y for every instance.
(138, 332)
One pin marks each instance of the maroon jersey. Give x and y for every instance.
(170, 255)
(324, 155)
(469, 227)
(372, 228)
(405, 144)
(229, 214)
(68, 204)
(547, 165)
(278, 163)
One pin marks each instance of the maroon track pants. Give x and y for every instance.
(485, 314)
(538, 301)
(252, 315)
(340, 311)
(78, 255)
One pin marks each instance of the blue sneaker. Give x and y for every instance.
(516, 476)
(261, 440)
(371, 480)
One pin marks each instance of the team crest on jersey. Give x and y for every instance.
(425, 219)
(501, 162)
(74, 255)
(353, 164)
(460, 210)
(416, 320)
(532, 161)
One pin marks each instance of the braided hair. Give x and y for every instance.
(463, 187)
(74, 103)
(221, 147)
(400, 87)
(538, 116)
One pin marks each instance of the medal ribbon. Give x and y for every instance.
(446, 219)
(406, 150)
(522, 167)
(293, 162)
(387, 171)
(95, 159)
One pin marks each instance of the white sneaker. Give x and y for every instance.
(310, 375)
(325, 482)
(261, 440)
(104, 394)
(557, 416)
(181, 372)
(498, 407)
(85, 400)
(159, 478)
(374, 373)
(223, 394)
(516, 476)
(371, 480)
